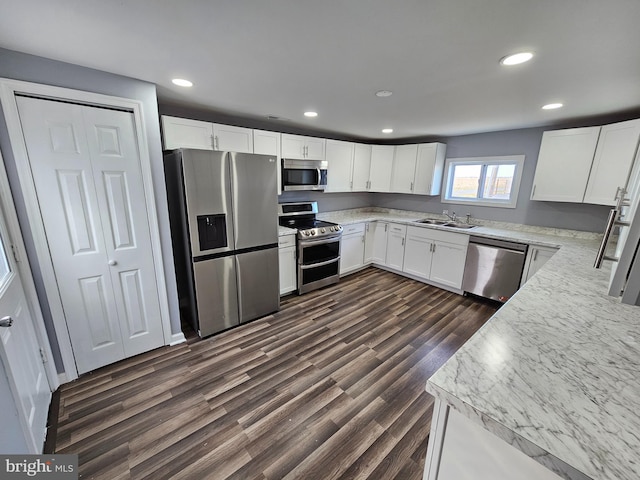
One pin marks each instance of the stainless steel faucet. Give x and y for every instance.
(453, 217)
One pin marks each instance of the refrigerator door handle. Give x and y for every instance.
(611, 221)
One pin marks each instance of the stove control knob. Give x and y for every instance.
(313, 232)
(322, 231)
(331, 229)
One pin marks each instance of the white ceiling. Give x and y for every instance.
(440, 58)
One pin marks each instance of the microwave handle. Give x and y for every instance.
(319, 176)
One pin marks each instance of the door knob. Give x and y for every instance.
(112, 262)
(6, 321)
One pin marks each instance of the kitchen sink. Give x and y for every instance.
(444, 223)
(432, 221)
(457, 225)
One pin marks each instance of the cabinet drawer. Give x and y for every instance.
(286, 241)
(353, 229)
(397, 228)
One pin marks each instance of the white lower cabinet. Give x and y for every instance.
(447, 266)
(375, 243)
(352, 248)
(395, 245)
(287, 261)
(536, 257)
(435, 255)
(461, 449)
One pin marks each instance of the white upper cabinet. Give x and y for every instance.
(266, 143)
(361, 168)
(404, 168)
(186, 133)
(381, 168)
(564, 163)
(429, 168)
(340, 158)
(227, 138)
(301, 147)
(585, 164)
(612, 162)
(418, 168)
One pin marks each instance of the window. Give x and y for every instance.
(487, 181)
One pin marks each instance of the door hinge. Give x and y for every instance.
(14, 250)
(43, 356)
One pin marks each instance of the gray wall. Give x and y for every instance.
(513, 142)
(34, 69)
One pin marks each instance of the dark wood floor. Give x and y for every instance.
(330, 387)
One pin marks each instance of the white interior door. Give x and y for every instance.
(86, 170)
(20, 356)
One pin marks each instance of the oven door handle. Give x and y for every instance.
(306, 243)
(321, 264)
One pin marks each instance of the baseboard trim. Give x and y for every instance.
(177, 338)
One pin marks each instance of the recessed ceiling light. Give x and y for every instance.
(181, 82)
(387, 130)
(310, 114)
(552, 106)
(384, 93)
(516, 58)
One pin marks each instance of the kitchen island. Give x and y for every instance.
(555, 373)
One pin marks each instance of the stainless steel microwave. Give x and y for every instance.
(304, 174)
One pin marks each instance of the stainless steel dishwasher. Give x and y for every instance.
(494, 268)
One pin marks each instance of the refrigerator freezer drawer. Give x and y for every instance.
(216, 294)
(258, 285)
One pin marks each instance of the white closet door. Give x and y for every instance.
(87, 175)
(120, 192)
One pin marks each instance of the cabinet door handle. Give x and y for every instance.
(367, 227)
(402, 241)
(385, 226)
(535, 254)
(533, 192)
(434, 247)
(412, 186)
(215, 142)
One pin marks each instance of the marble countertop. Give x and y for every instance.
(556, 371)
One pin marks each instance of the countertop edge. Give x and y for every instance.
(503, 432)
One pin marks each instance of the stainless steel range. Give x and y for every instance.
(318, 252)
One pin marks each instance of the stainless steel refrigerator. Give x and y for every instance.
(224, 228)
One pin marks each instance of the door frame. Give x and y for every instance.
(8, 90)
